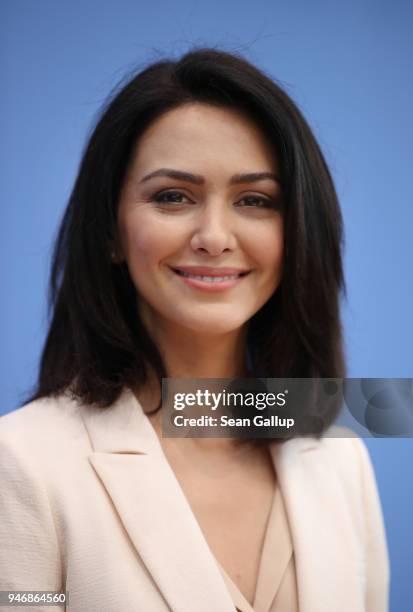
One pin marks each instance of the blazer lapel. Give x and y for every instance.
(325, 546)
(129, 460)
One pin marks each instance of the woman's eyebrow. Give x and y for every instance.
(175, 174)
(254, 177)
(197, 179)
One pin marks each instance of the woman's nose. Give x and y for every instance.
(214, 232)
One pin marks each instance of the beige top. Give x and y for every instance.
(276, 589)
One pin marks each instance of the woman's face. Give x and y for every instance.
(200, 220)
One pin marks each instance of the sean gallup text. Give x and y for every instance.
(225, 421)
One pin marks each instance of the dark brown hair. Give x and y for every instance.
(97, 344)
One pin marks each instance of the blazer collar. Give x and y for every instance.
(129, 460)
(329, 558)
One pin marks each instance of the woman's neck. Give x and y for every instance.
(190, 355)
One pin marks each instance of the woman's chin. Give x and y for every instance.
(213, 325)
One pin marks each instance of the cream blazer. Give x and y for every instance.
(90, 505)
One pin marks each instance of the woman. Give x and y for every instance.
(202, 240)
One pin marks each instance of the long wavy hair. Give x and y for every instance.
(97, 344)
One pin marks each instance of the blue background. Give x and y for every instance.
(349, 67)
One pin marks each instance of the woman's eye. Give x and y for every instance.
(258, 202)
(170, 197)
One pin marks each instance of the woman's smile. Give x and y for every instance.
(209, 279)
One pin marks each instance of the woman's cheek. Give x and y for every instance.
(154, 242)
(265, 247)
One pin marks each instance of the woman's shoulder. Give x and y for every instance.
(347, 453)
(339, 456)
(50, 412)
(62, 428)
(346, 450)
(45, 427)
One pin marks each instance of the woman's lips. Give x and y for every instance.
(210, 279)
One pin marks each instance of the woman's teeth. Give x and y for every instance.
(209, 279)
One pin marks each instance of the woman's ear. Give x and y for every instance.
(116, 253)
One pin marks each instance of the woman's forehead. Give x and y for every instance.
(199, 137)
